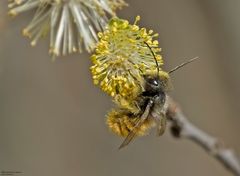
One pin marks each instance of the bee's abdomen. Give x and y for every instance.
(122, 122)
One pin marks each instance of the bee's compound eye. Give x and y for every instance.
(155, 82)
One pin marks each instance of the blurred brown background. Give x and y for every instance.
(52, 116)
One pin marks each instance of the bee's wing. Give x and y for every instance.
(161, 125)
(141, 120)
(161, 121)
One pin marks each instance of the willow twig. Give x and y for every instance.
(182, 128)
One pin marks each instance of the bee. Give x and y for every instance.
(145, 108)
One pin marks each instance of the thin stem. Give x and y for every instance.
(182, 128)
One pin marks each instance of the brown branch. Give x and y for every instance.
(182, 128)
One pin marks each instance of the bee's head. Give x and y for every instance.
(157, 83)
(152, 83)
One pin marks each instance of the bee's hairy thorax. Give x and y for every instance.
(158, 99)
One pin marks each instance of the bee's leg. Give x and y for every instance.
(143, 117)
(137, 105)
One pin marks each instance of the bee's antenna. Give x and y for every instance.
(183, 64)
(153, 56)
